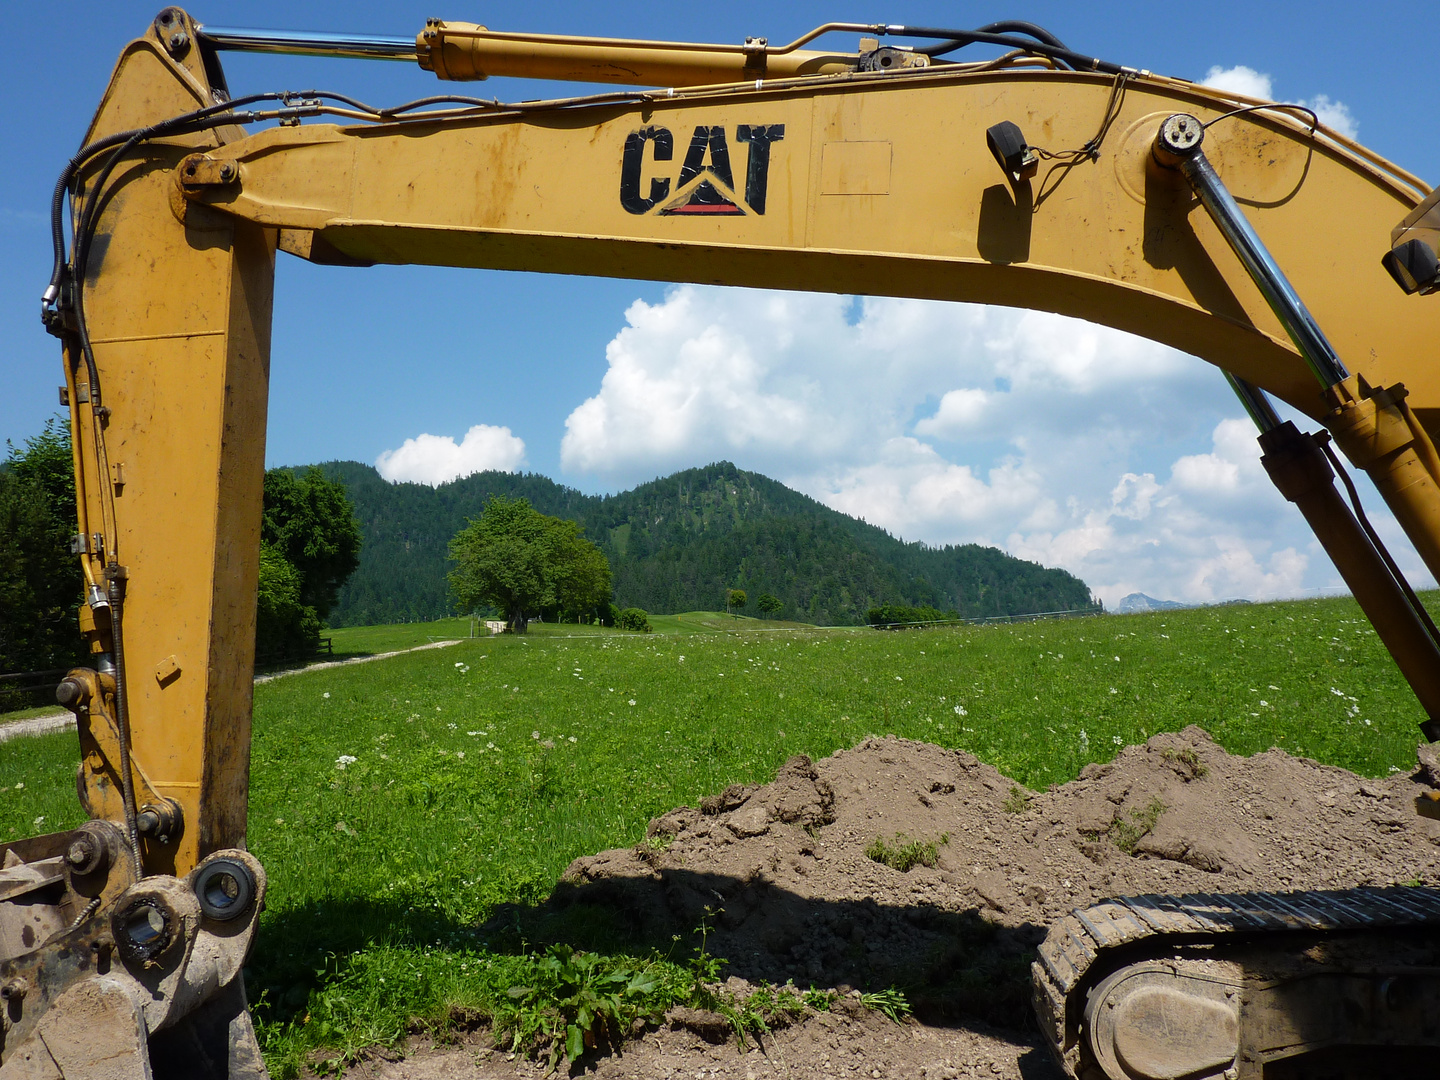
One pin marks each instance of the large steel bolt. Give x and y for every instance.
(1179, 138)
(70, 693)
(80, 851)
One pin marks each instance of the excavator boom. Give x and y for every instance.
(1033, 180)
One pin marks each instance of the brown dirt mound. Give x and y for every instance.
(781, 874)
(784, 867)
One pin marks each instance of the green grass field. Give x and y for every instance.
(395, 803)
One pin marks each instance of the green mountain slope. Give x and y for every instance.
(677, 543)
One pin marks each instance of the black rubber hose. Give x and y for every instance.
(165, 127)
(1019, 26)
(954, 39)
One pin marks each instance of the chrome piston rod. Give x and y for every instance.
(307, 43)
(1296, 462)
(1178, 145)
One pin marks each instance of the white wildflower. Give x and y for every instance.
(460, 754)
(1117, 740)
(535, 734)
(632, 701)
(20, 785)
(960, 711)
(40, 820)
(572, 738)
(326, 694)
(344, 760)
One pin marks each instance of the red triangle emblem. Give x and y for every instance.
(705, 199)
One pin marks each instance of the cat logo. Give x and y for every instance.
(706, 185)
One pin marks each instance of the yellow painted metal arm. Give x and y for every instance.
(465, 51)
(879, 184)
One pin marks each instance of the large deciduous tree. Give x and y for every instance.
(523, 562)
(310, 543)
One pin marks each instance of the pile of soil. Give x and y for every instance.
(781, 876)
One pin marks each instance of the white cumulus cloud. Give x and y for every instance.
(438, 459)
(959, 411)
(1240, 80)
(1251, 83)
(1126, 462)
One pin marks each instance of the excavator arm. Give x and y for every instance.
(1030, 181)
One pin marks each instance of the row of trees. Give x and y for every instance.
(765, 603)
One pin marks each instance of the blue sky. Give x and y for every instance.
(1167, 500)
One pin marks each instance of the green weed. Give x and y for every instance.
(1018, 801)
(1126, 832)
(904, 854)
(1187, 759)
(891, 1002)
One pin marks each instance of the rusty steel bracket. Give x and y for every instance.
(90, 695)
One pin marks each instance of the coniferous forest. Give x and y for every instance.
(678, 543)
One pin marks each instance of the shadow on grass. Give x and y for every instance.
(955, 967)
(952, 965)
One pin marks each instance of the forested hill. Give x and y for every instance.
(678, 543)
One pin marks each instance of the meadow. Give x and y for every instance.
(396, 804)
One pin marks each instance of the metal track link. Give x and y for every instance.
(1078, 940)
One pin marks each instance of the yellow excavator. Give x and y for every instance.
(1241, 231)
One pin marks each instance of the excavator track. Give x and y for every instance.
(1087, 951)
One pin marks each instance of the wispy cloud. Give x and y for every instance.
(22, 219)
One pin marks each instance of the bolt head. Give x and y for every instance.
(69, 692)
(80, 851)
(1182, 133)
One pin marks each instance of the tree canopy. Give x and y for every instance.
(524, 562)
(40, 581)
(309, 545)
